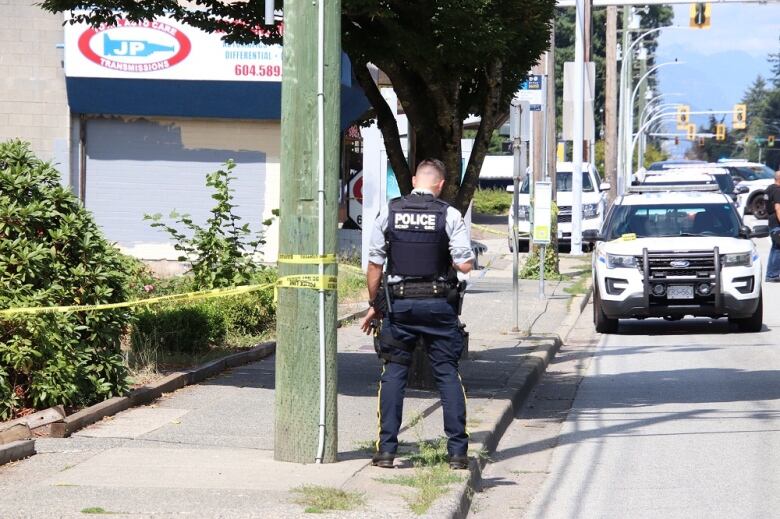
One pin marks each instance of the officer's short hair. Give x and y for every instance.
(435, 164)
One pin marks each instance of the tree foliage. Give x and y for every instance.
(446, 59)
(52, 253)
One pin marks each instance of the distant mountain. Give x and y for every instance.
(709, 82)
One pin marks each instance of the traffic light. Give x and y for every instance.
(720, 132)
(701, 15)
(683, 116)
(739, 122)
(701, 142)
(770, 141)
(676, 141)
(691, 129)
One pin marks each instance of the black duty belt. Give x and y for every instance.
(419, 289)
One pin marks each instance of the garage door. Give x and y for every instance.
(137, 167)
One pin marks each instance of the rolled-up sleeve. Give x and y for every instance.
(460, 241)
(377, 248)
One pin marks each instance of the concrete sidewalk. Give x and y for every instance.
(207, 450)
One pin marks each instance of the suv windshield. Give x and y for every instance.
(752, 172)
(564, 179)
(673, 220)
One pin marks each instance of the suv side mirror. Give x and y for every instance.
(741, 190)
(591, 236)
(760, 231)
(605, 186)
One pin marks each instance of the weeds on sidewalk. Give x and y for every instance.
(432, 475)
(96, 510)
(323, 499)
(578, 287)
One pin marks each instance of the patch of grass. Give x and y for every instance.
(579, 285)
(318, 499)
(432, 475)
(351, 286)
(492, 201)
(95, 510)
(430, 482)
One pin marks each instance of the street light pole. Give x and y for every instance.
(625, 69)
(579, 129)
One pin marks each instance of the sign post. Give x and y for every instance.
(542, 224)
(519, 123)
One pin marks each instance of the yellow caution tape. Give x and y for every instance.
(488, 229)
(314, 282)
(307, 259)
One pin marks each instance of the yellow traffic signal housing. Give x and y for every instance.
(739, 121)
(701, 15)
(683, 116)
(720, 132)
(691, 129)
(770, 141)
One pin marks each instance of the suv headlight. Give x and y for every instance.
(616, 261)
(741, 259)
(590, 210)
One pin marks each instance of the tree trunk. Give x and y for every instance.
(297, 352)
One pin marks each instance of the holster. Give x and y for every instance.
(385, 346)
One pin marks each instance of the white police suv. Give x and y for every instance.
(674, 253)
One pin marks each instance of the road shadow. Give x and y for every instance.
(688, 326)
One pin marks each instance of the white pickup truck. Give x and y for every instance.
(594, 203)
(672, 254)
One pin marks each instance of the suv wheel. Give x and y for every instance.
(757, 206)
(755, 322)
(603, 323)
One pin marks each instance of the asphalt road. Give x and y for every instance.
(664, 419)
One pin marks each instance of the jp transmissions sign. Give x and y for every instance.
(165, 49)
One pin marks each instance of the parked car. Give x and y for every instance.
(752, 178)
(594, 203)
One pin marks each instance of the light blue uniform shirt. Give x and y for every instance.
(460, 245)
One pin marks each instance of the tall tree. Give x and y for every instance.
(446, 59)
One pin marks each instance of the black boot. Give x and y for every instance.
(383, 460)
(459, 462)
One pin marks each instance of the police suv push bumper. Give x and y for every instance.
(679, 283)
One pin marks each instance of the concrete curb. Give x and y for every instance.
(16, 450)
(505, 404)
(146, 394)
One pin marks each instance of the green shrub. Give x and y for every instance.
(178, 329)
(52, 253)
(492, 201)
(162, 330)
(222, 252)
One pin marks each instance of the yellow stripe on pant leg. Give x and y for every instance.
(465, 404)
(379, 410)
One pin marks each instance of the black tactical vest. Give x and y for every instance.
(418, 245)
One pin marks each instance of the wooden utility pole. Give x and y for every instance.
(610, 104)
(297, 331)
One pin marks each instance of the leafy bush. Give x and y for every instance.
(52, 253)
(191, 329)
(492, 201)
(222, 252)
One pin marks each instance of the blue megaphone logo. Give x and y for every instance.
(132, 48)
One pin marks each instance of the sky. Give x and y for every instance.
(722, 61)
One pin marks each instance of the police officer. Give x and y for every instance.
(423, 241)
